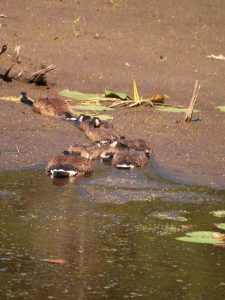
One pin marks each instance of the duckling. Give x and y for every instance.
(129, 159)
(101, 135)
(98, 123)
(67, 166)
(50, 107)
(136, 144)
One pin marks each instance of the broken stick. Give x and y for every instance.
(16, 54)
(39, 77)
(3, 48)
(6, 76)
(188, 116)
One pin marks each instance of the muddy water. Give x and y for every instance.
(105, 227)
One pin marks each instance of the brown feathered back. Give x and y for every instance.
(130, 158)
(52, 107)
(80, 165)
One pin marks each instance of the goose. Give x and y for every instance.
(136, 144)
(50, 107)
(69, 166)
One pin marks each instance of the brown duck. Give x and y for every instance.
(68, 166)
(126, 159)
(101, 135)
(136, 144)
(84, 121)
(98, 123)
(50, 107)
(93, 151)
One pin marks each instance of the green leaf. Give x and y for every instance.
(79, 95)
(203, 237)
(91, 107)
(218, 213)
(110, 94)
(220, 226)
(221, 108)
(173, 109)
(102, 117)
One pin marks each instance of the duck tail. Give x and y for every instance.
(106, 155)
(124, 166)
(24, 99)
(60, 173)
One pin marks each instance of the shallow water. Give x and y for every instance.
(105, 227)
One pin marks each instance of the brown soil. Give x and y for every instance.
(162, 44)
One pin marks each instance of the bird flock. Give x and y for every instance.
(106, 143)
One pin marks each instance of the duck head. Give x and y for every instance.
(84, 118)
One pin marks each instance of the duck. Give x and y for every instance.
(49, 107)
(84, 121)
(100, 135)
(126, 159)
(92, 151)
(136, 144)
(129, 159)
(98, 123)
(63, 166)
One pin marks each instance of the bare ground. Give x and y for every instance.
(162, 44)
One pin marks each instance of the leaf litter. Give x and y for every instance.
(203, 237)
(54, 260)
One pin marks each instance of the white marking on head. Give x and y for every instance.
(80, 118)
(97, 122)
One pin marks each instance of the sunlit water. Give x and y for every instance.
(105, 227)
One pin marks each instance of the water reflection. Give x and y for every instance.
(102, 226)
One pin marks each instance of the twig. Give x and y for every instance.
(19, 75)
(6, 77)
(3, 48)
(39, 77)
(16, 54)
(136, 103)
(188, 116)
